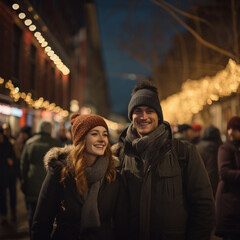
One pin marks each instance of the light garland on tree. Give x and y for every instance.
(195, 94)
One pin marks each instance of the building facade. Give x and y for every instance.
(39, 64)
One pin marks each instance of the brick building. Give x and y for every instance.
(42, 60)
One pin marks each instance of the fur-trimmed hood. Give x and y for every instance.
(56, 155)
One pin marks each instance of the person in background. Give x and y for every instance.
(8, 133)
(69, 136)
(7, 161)
(32, 166)
(24, 134)
(167, 201)
(81, 188)
(228, 191)
(14, 172)
(62, 134)
(197, 132)
(208, 149)
(184, 132)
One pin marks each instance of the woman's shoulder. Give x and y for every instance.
(55, 158)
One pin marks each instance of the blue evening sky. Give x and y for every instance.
(118, 63)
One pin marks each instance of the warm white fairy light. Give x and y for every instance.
(27, 97)
(15, 6)
(195, 94)
(28, 22)
(21, 15)
(32, 27)
(39, 37)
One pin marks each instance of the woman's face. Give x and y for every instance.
(96, 142)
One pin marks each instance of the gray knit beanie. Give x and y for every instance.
(145, 97)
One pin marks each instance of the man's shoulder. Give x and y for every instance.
(33, 139)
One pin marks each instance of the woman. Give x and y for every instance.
(228, 191)
(80, 192)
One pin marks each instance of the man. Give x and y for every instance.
(185, 132)
(62, 134)
(32, 167)
(166, 202)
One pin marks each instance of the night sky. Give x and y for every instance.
(118, 62)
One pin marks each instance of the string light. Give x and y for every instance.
(38, 35)
(195, 94)
(32, 27)
(27, 97)
(21, 15)
(15, 6)
(28, 22)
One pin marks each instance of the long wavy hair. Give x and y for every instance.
(78, 160)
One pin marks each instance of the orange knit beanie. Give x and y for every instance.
(82, 124)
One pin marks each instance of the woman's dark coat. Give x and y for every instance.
(228, 191)
(64, 203)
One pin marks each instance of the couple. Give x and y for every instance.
(149, 195)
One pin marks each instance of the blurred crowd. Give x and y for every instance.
(21, 159)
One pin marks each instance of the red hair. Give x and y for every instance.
(79, 162)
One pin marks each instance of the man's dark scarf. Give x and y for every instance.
(151, 149)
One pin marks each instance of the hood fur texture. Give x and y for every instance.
(54, 155)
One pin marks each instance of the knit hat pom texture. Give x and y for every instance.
(82, 124)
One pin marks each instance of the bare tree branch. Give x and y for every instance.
(186, 14)
(194, 33)
(139, 58)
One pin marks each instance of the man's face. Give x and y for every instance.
(145, 120)
(233, 134)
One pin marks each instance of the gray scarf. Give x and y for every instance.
(146, 147)
(150, 148)
(90, 216)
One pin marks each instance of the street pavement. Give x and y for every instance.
(19, 229)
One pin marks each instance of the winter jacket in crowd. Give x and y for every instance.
(32, 166)
(6, 152)
(59, 208)
(164, 205)
(228, 191)
(208, 149)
